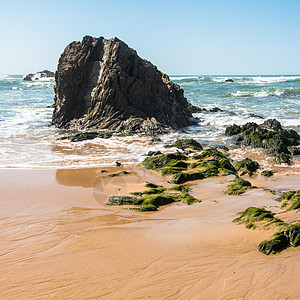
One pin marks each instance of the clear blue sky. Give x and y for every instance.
(180, 37)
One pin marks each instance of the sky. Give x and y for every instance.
(233, 37)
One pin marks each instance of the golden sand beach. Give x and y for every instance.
(59, 240)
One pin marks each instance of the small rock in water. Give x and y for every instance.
(256, 116)
(229, 80)
(38, 75)
(215, 109)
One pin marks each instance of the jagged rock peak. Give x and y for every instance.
(102, 83)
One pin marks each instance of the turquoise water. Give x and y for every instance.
(28, 140)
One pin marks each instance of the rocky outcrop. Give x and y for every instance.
(104, 84)
(39, 75)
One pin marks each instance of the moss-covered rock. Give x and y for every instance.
(267, 173)
(233, 130)
(183, 177)
(238, 186)
(166, 164)
(186, 143)
(290, 200)
(288, 236)
(146, 207)
(187, 198)
(274, 245)
(254, 217)
(210, 152)
(153, 197)
(179, 187)
(118, 174)
(270, 136)
(246, 166)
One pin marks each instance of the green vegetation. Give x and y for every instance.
(254, 217)
(186, 143)
(210, 162)
(103, 171)
(118, 174)
(267, 173)
(279, 142)
(238, 186)
(154, 196)
(246, 166)
(290, 200)
(166, 164)
(288, 236)
(210, 152)
(185, 177)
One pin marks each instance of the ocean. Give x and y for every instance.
(27, 139)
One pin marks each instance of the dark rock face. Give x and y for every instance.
(104, 84)
(39, 75)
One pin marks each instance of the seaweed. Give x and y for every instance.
(186, 143)
(288, 236)
(118, 174)
(246, 166)
(154, 197)
(290, 200)
(238, 186)
(267, 173)
(166, 164)
(254, 217)
(279, 142)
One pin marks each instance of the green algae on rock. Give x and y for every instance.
(288, 236)
(238, 186)
(246, 166)
(186, 143)
(290, 200)
(166, 164)
(268, 135)
(118, 174)
(254, 217)
(267, 173)
(154, 197)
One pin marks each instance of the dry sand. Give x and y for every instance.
(60, 241)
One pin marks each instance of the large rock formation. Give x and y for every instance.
(104, 84)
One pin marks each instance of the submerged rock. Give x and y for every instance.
(104, 84)
(39, 75)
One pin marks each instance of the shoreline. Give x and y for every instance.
(83, 248)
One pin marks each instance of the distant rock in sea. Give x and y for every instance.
(102, 83)
(39, 75)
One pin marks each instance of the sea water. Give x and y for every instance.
(28, 140)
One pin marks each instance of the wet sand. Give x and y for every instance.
(60, 241)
